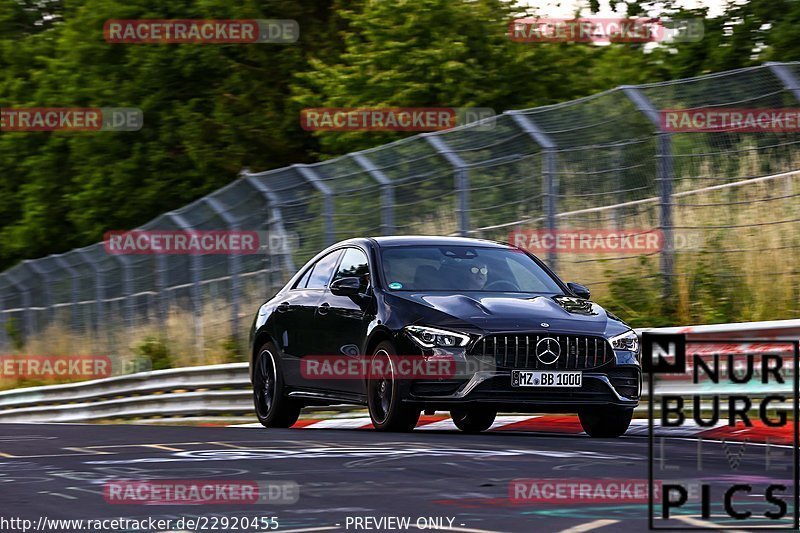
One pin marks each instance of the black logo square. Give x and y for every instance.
(663, 353)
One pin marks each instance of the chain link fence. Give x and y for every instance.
(602, 162)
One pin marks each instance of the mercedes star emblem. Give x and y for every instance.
(548, 350)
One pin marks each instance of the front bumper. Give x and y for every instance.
(486, 379)
(494, 387)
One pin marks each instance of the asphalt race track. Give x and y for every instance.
(59, 471)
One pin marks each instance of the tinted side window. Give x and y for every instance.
(354, 265)
(304, 280)
(323, 270)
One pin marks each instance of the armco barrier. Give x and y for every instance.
(225, 389)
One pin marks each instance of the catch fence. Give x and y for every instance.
(724, 202)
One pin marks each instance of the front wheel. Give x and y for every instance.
(385, 393)
(273, 408)
(473, 420)
(606, 421)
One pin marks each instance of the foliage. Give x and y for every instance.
(157, 351)
(211, 110)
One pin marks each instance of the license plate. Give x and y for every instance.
(528, 378)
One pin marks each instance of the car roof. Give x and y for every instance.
(406, 240)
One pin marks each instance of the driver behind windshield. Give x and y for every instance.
(476, 276)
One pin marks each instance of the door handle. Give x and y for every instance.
(324, 308)
(283, 307)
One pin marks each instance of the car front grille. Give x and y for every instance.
(579, 352)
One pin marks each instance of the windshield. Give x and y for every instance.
(464, 268)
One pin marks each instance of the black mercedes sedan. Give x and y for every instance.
(411, 324)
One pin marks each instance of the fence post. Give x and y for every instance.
(234, 262)
(461, 179)
(46, 291)
(127, 289)
(619, 178)
(74, 289)
(791, 83)
(196, 262)
(787, 77)
(161, 290)
(5, 344)
(549, 175)
(311, 177)
(387, 191)
(27, 312)
(664, 177)
(275, 217)
(99, 288)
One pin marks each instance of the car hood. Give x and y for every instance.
(519, 312)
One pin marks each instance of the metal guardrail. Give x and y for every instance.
(202, 390)
(217, 390)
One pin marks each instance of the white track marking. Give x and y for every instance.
(707, 525)
(335, 423)
(502, 421)
(441, 425)
(310, 529)
(456, 528)
(589, 526)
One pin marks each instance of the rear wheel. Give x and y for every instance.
(273, 408)
(473, 420)
(606, 421)
(385, 393)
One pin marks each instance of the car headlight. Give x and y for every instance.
(627, 341)
(430, 337)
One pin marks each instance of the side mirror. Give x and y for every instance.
(579, 290)
(346, 287)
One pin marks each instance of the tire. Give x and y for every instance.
(607, 421)
(273, 408)
(385, 394)
(473, 420)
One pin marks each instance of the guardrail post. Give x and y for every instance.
(196, 262)
(74, 289)
(787, 77)
(387, 192)
(461, 179)
(664, 178)
(234, 262)
(550, 183)
(311, 177)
